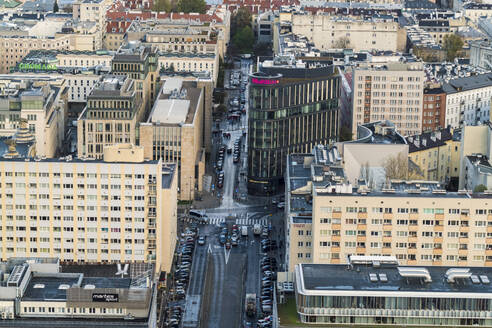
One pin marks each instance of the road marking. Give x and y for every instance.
(209, 249)
(226, 255)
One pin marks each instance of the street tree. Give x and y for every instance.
(192, 6)
(452, 45)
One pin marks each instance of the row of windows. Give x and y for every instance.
(78, 175)
(57, 250)
(50, 309)
(389, 210)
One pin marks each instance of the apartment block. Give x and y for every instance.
(468, 100)
(100, 211)
(475, 11)
(326, 31)
(437, 154)
(139, 63)
(113, 110)
(417, 222)
(390, 91)
(173, 133)
(434, 109)
(42, 105)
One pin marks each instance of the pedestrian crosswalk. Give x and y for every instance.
(221, 219)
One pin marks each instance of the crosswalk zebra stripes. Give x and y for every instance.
(219, 220)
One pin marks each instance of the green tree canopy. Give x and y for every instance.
(452, 45)
(192, 6)
(480, 188)
(55, 7)
(244, 40)
(241, 19)
(162, 5)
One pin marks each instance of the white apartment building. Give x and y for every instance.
(390, 91)
(120, 209)
(468, 100)
(364, 34)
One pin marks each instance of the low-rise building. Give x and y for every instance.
(475, 157)
(189, 62)
(116, 210)
(437, 154)
(366, 157)
(40, 292)
(468, 100)
(328, 32)
(173, 133)
(376, 290)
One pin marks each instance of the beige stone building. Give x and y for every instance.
(174, 133)
(119, 209)
(91, 11)
(390, 91)
(113, 110)
(327, 31)
(139, 63)
(43, 104)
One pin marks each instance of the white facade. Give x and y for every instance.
(468, 107)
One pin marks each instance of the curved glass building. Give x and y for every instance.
(293, 106)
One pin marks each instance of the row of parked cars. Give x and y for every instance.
(237, 150)
(173, 316)
(268, 266)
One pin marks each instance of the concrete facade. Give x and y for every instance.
(393, 91)
(326, 31)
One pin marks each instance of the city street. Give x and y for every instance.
(231, 273)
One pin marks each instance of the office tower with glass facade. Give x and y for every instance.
(293, 107)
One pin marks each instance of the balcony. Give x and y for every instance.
(151, 236)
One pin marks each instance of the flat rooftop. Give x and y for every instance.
(177, 103)
(338, 277)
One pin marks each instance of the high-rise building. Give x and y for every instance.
(113, 110)
(119, 209)
(293, 107)
(390, 91)
(173, 133)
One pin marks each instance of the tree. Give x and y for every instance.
(452, 45)
(244, 39)
(345, 134)
(396, 167)
(241, 19)
(192, 6)
(342, 43)
(480, 188)
(221, 109)
(162, 5)
(55, 7)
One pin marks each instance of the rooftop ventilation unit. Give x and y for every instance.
(485, 279)
(16, 275)
(457, 273)
(411, 272)
(89, 287)
(64, 286)
(38, 286)
(383, 277)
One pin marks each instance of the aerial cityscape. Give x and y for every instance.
(245, 163)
